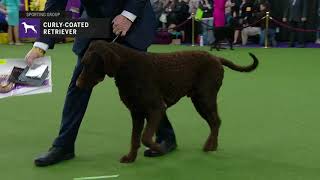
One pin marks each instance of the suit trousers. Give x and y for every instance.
(294, 35)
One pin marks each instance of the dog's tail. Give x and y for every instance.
(235, 67)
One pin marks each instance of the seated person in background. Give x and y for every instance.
(169, 7)
(182, 11)
(248, 18)
(158, 9)
(264, 8)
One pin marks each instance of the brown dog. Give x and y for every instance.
(149, 83)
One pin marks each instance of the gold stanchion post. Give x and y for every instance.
(193, 24)
(266, 31)
(26, 5)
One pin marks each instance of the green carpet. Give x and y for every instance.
(270, 125)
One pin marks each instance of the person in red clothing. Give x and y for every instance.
(219, 13)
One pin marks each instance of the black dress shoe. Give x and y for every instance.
(167, 146)
(53, 156)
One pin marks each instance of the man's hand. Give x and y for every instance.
(303, 19)
(33, 55)
(121, 25)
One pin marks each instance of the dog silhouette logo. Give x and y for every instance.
(27, 27)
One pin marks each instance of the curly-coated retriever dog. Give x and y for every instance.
(149, 83)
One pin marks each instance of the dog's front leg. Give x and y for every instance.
(153, 120)
(137, 127)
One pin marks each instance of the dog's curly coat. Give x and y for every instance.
(149, 83)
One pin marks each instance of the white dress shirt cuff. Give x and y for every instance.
(41, 45)
(129, 15)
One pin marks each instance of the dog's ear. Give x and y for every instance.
(102, 51)
(93, 51)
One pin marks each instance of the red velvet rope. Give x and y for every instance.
(282, 24)
(177, 26)
(249, 25)
(285, 25)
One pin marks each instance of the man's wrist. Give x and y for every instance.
(129, 15)
(41, 45)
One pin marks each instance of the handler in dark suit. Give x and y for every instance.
(132, 19)
(296, 14)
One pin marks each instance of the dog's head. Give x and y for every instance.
(100, 59)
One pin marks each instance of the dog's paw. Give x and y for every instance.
(210, 147)
(127, 159)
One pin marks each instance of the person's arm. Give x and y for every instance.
(51, 6)
(43, 44)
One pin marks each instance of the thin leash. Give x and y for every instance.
(115, 39)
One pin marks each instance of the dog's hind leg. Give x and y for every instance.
(207, 108)
(153, 120)
(137, 127)
(204, 100)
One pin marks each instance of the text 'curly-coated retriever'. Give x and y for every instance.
(149, 83)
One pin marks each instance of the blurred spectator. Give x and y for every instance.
(296, 14)
(228, 6)
(248, 18)
(169, 11)
(12, 10)
(157, 7)
(264, 8)
(206, 7)
(3, 22)
(219, 18)
(182, 11)
(2, 9)
(318, 33)
(235, 10)
(193, 6)
(228, 9)
(176, 11)
(247, 11)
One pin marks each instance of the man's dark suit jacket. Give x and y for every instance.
(296, 12)
(141, 34)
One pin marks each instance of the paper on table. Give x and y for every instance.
(36, 72)
(21, 90)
